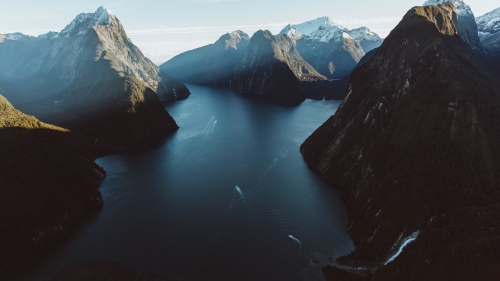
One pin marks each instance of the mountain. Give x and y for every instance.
(322, 55)
(331, 49)
(212, 64)
(324, 29)
(46, 183)
(337, 89)
(61, 77)
(272, 68)
(464, 21)
(414, 148)
(489, 31)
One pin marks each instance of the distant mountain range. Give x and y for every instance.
(319, 53)
(212, 64)
(330, 48)
(272, 68)
(89, 70)
(489, 31)
(414, 148)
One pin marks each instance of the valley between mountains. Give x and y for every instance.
(329, 153)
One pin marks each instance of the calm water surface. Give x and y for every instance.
(227, 197)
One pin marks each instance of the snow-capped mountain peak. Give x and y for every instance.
(322, 29)
(363, 33)
(238, 34)
(14, 36)
(85, 21)
(489, 22)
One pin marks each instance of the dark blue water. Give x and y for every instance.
(227, 197)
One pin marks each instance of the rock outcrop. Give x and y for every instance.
(212, 64)
(464, 20)
(46, 183)
(414, 149)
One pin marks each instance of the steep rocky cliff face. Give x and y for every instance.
(46, 183)
(272, 68)
(88, 56)
(489, 31)
(212, 64)
(414, 149)
(464, 21)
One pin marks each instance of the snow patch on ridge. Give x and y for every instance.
(489, 23)
(363, 33)
(14, 36)
(323, 29)
(85, 21)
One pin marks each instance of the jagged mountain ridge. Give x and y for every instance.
(464, 20)
(212, 64)
(324, 30)
(85, 39)
(413, 147)
(332, 52)
(43, 74)
(46, 183)
(489, 31)
(272, 68)
(329, 47)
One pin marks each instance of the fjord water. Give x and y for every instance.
(227, 197)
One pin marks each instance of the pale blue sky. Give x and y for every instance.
(165, 28)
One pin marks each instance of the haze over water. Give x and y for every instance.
(227, 197)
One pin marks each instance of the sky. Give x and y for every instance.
(165, 28)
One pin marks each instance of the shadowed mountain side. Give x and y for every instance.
(333, 59)
(119, 111)
(46, 183)
(90, 67)
(414, 147)
(52, 62)
(492, 44)
(126, 113)
(336, 89)
(213, 64)
(273, 69)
